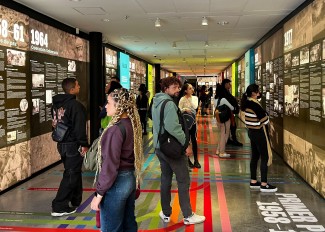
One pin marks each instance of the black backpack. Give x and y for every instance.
(222, 113)
(169, 145)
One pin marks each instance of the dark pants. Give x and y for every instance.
(168, 167)
(259, 149)
(70, 189)
(233, 129)
(194, 142)
(143, 119)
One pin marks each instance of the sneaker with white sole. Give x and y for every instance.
(61, 213)
(164, 217)
(224, 155)
(268, 188)
(194, 219)
(256, 185)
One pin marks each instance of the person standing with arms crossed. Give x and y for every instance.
(170, 88)
(257, 121)
(68, 110)
(189, 104)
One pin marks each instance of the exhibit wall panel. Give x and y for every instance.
(34, 59)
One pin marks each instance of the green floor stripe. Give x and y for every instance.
(43, 214)
(50, 222)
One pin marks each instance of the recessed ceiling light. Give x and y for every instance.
(157, 23)
(204, 21)
(75, 0)
(222, 23)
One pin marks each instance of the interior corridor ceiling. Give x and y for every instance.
(181, 44)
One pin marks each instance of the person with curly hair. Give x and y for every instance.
(170, 87)
(119, 163)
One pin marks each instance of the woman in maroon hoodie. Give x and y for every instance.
(120, 161)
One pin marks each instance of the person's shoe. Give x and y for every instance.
(225, 155)
(230, 142)
(268, 188)
(194, 219)
(190, 164)
(164, 217)
(236, 143)
(61, 213)
(197, 164)
(256, 185)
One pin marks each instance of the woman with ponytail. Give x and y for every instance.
(120, 161)
(257, 120)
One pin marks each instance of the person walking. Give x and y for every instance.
(68, 110)
(188, 104)
(220, 99)
(170, 88)
(257, 121)
(120, 162)
(226, 84)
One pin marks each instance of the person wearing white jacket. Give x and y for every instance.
(220, 99)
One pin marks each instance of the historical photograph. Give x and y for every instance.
(315, 53)
(38, 80)
(291, 100)
(304, 55)
(15, 57)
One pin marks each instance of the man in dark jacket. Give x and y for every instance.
(226, 84)
(69, 111)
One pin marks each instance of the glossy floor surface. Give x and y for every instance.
(219, 190)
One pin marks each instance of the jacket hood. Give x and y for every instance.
(60, 100)
(159, 98)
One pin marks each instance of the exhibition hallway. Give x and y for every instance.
(219, 190)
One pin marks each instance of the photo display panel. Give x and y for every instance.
(110, 64)
(304, 108)
(269, 77)
(14, 84)
(54, 56)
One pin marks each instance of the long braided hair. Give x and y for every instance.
(125, 102)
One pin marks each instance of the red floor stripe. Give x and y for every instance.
(224, 215)
(28, 229)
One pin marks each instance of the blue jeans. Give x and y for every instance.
(168, 167)
(118, 205)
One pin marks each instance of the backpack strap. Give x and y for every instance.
(122, 129)
(162, 109)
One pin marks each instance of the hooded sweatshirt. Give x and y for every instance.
(171, 119)
(73, 114)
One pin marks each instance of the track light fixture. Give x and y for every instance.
(174, 45)
(206, 44)
(157, 23)
(204, 21)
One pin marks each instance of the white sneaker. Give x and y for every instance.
(224, 155)
(164, 217)
(194, 219)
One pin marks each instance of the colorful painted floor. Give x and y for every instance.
(219, 190)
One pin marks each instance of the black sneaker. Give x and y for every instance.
(197, 164)
(236, 143)
(256, 185)
(190, 164)
(61, 213)
(268, 188)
